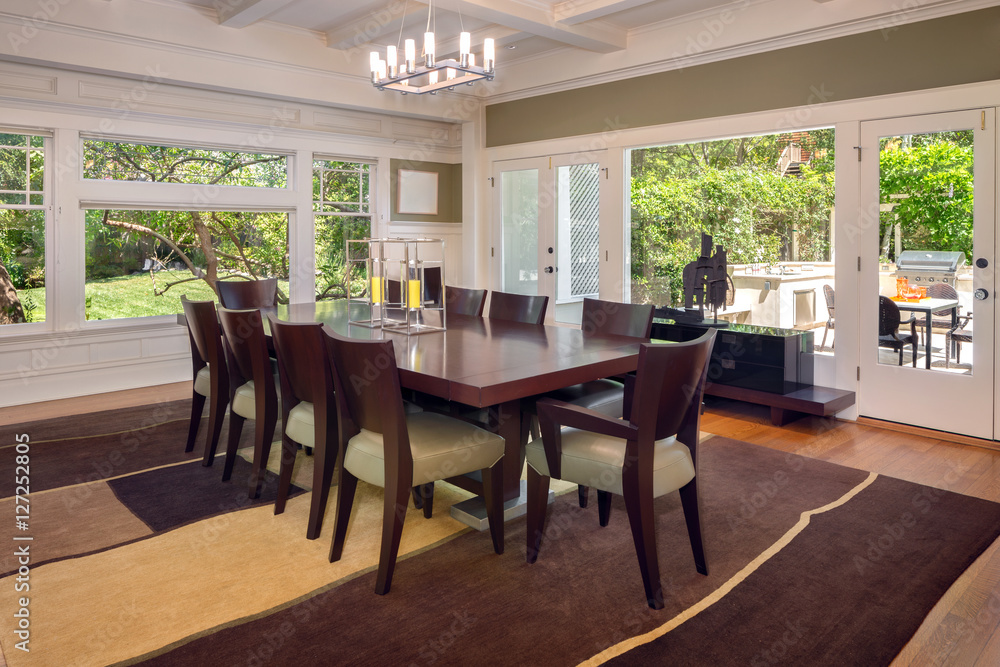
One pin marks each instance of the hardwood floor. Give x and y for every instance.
(964, 627)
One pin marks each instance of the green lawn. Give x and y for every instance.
(132, 296)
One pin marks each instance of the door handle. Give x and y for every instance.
(549, 269)
(981, 294)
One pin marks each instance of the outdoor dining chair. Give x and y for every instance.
(888, 329)
(652, 453)
(828, 293)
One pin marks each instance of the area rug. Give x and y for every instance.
(809, 563)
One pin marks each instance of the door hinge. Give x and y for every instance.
(550, 162)
(491, 251)
(491, 180)
(605, 255)
(983, 119)
(605, 170)
(859, 263)
(859, 153)
(859, 373)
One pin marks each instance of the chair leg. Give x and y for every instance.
(538, 498)
(826, 330)
(927, 348)
(426, 499)
(418, 499)
(323, 464)
(583, 494)
(263, 435)
(216, 413)
(393, 513)
(289, 450)
(947, 351)
(604, 507)
(345, 501)
(640, 518)
(197, 407)
(689, 501)
(235, 431)
(493, 495)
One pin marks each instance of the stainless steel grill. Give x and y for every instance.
(929, 266)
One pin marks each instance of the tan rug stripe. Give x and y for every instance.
(724, 590)
(125, 602)
(144, 427)
(66, 522)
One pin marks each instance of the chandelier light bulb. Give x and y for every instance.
(429, 49)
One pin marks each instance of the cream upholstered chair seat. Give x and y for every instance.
(597, 460)
(244, 401)
(203, 381)
(604, 396)
(301, 424)
(441, 446)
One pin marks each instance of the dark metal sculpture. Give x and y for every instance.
(706, 284)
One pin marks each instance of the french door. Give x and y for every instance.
(928, 184)
(547, 214)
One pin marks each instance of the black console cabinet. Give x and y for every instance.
(768, 359)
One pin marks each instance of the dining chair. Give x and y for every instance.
(888, 329)
(308, 412)
(828, 293)
(211, 375)
(652, 453)
(526, 308)
(942, 321)
(386, 447)
(606, 395)
(464, 301)
(955, 337)
(252, 394)
(242, 294)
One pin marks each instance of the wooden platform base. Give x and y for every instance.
(819, 401)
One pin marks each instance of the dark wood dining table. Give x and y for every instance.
(484, 363)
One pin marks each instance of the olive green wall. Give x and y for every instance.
(449, 191)
(941, 52)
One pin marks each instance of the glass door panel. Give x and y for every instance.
(577, 257)
(519, 223)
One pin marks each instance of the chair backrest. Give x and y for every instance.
(206, 338)
(464, 301)
(828, 293)
(610, 318)
(302, 367)
(888, 316)
(242, 294)
(942, 291)
(526, 308)
(669, 387)
(367, 386)
(246, 348)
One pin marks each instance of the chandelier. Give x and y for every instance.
(431, 75)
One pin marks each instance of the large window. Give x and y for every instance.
(22, 228)
(768, 200)
(342, 203)
(139, 261)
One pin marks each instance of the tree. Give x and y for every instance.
(732, 190)
(928, 181)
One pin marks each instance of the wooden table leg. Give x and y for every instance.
(508, 426)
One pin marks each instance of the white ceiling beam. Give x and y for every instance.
(374, 26)
(537, 20)
(574, 12)
(448, 48)
(241, 13)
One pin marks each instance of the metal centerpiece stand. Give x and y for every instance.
(396, 284)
